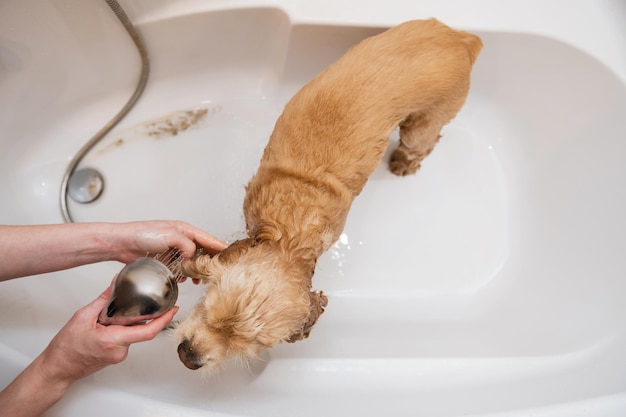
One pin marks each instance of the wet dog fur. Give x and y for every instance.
(330, 137)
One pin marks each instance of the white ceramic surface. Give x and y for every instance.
(489, 284)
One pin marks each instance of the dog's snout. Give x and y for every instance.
(187, 356)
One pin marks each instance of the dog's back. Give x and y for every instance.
(385, 77)
(363, 96)
(333, 133)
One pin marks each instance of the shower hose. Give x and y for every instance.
(143, 79)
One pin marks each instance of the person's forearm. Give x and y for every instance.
(31, 250)
(37, 249)
(31, 393)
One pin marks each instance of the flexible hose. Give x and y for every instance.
(143, 79)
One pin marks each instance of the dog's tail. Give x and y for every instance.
(474, 45)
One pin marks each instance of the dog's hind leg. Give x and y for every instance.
(419, 134)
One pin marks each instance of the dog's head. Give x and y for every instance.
(256, 297)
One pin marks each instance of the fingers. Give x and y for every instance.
(143, 332)
(83, 347)
(159, 236)
(93, 309)
(210, 243)
(184, 242)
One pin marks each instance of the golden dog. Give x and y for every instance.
(329, 139)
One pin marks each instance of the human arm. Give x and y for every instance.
(31, 250)
(82, 347)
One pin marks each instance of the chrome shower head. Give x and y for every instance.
(143, 290)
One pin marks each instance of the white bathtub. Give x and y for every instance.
(491, 283)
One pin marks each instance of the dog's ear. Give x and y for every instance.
(318, 302)
(204, 266)
(198, 267)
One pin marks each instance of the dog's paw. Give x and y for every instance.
(319, 301)
(401, 165)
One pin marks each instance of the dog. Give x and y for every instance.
(330, 137)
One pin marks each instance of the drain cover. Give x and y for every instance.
(85, 185)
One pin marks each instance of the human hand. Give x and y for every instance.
(136, 239)
(83, 346)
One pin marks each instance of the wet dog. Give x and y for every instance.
(330, 137)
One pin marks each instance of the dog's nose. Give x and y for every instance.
(187, 356)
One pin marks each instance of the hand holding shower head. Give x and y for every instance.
(143, 290)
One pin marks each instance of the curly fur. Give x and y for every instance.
(329, 139)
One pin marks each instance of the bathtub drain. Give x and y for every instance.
(85, 185)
